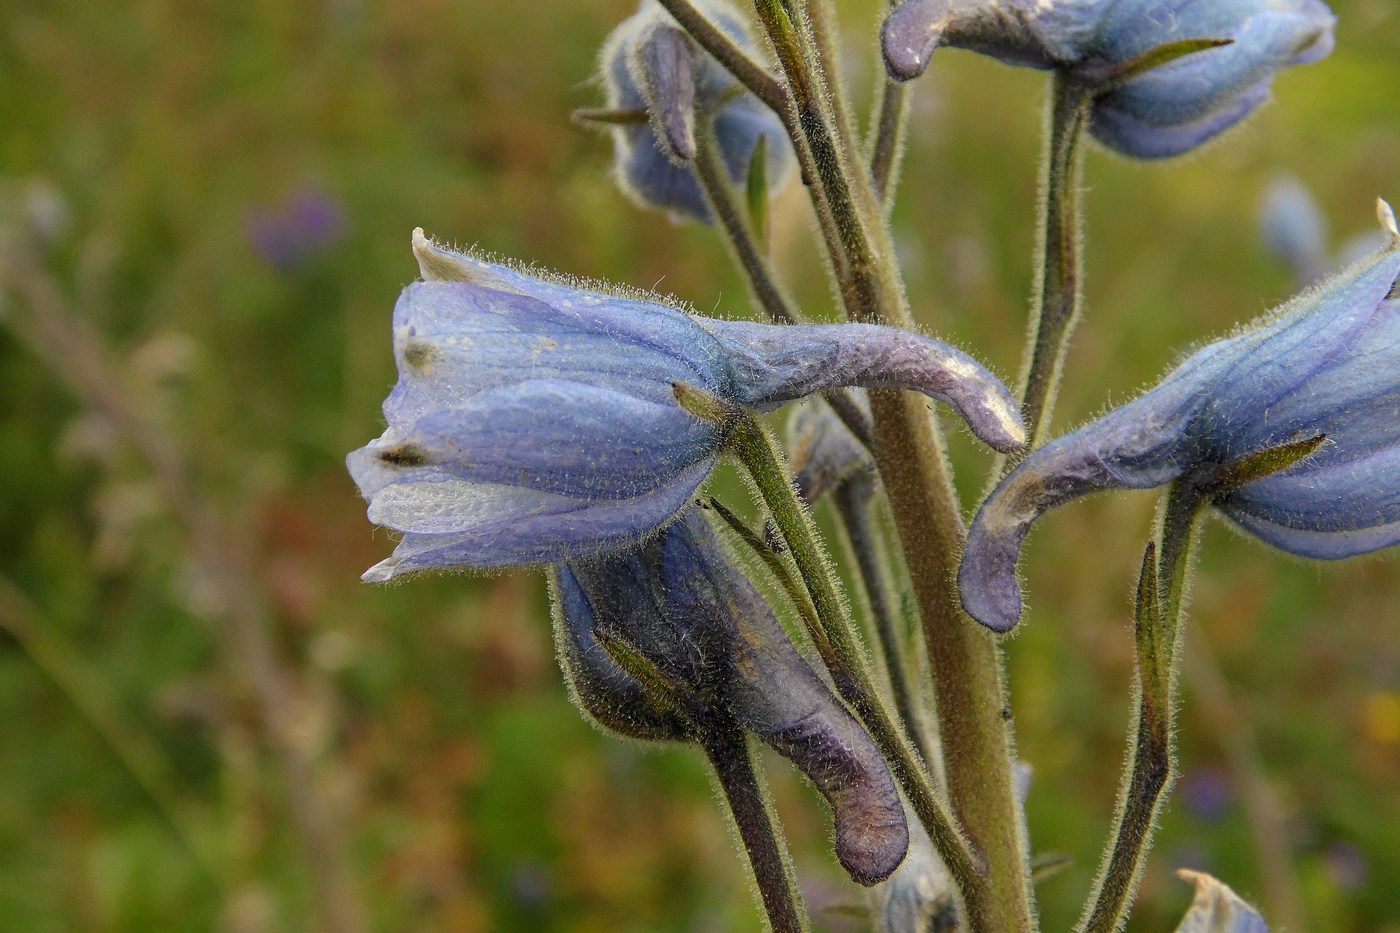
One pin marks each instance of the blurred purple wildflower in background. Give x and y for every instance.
(1207, 793)
(1346, 865)
(289, 233)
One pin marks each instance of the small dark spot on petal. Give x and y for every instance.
(419, 353)
(404, 455)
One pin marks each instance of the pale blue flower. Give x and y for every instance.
(1293, 228)
(1162, 112)
(682, 606)
(1327, 363)
(1217, 909)
(649, 63)
(535, 420)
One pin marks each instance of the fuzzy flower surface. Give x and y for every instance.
(687, 612)
(1161, 112)
(536, 421)
(649, 63)
(1325, 365)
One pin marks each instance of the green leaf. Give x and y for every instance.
(1265, 463)
(1107, 79)
(603, 116)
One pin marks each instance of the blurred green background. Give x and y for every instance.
(210, 724)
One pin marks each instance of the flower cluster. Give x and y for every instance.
(539, 421)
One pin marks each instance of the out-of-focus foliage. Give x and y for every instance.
(230, 190)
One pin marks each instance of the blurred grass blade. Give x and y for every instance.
(82, 686)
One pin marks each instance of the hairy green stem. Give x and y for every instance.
(965, 660)
(886, 144)
(738, 776)
(1057, 304)
(779, 565)
(853, 506)
(84, 688)
(887, 132)
(756, 450)
(1157, 633)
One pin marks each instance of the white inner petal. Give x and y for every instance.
(458, 505)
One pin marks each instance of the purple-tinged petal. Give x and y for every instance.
(1163, 111)
(1189, 89)
(772, 365)
(636, 322)
(910, 34)
(1322, 508)
(586, 441)
(781, 700)
(1030, 33)
(1129, 135)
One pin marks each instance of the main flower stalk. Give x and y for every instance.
(966, 662)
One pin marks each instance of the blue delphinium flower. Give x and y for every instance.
(1326, 364)
(1162, 112)
(686, 610)
(649, 63)
(536, 421)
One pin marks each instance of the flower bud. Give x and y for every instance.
(600, 687)
(689, 613)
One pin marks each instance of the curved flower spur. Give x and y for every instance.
(1326, 365)
(535, 421)
(719, 660)
(1155, 112)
